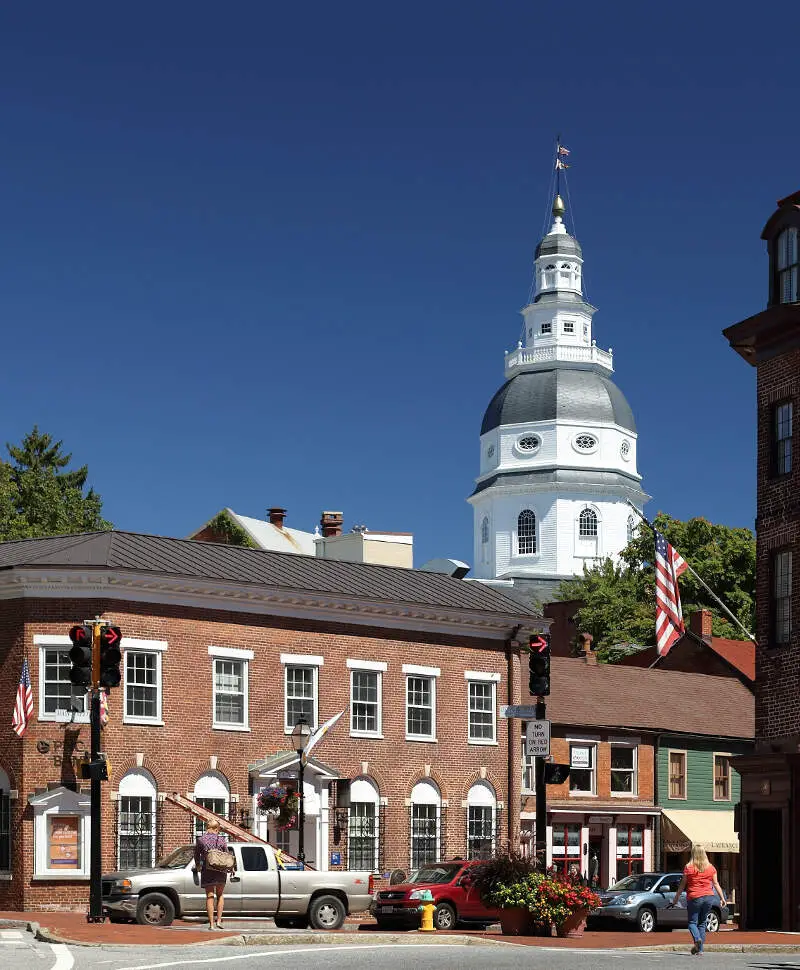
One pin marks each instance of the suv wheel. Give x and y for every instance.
(444, 917)
(713, 921)
(155, 909)
(646, 920)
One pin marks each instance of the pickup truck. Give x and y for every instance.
(294, 898)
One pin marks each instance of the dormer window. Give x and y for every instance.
(787, 265)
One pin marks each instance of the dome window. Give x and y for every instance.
(526, 533)
(528, 442)
(587, 524)
(625, 450)
(585, 443)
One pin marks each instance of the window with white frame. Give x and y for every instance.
(211, 790)
(587, 524)
(5, 822)
(57, 696)
(426, 808)
(623, 769)
(60, 833)
(481, 821)
(582, 763)
(420, 702)
(301, 688)
(481, 704)
(546, 328)
(526, 533)
(136, 840)
(528, 772)
(363, 826)
(142, 686)
(788, 265)
(366, 681)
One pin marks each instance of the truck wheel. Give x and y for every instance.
(155, 909)
(444, 917)
(327, 913)
(291, 922)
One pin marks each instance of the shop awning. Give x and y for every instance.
(712, 829)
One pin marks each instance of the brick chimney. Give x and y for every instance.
(700, 624)
(276, 516)
(331, 524)
(585, 642)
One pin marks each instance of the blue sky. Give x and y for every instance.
(256, 254)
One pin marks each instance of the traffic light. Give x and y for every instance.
(539, 665)
(110, 656)
(81, 656)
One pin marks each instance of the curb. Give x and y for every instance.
(349, 939)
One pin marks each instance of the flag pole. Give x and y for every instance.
(702, 582)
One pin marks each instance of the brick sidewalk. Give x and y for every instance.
(72, 927)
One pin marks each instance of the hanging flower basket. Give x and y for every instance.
(281, 801)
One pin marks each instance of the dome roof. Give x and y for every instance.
(547, 395)
(558, 244)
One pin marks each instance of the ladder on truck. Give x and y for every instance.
(239, 834)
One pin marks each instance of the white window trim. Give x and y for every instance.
(56, 641)
(376, 669)
(301, 660)
(481, 675)
(69, 804)
(157, 647)
(595, 744)
(525, 759)
(297, 662)
(245, 662)
(412, 671)
(378, 665)
(230, 653)
(484, 679)
(625, 794)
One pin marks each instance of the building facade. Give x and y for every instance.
(224, 648)
(770, 821)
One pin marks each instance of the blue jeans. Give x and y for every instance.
(698, 910)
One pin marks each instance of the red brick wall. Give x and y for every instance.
(559, 748)
(777, 526)
(178, 753)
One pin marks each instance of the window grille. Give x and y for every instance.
(365, 712)
(419, 706)
(526, 532)
(362, 836)
(481, 710)
(219, 806)
(481, 831)
(141, 684)
(427, 834)
(5, 832)
(229, 692)
(300, 695)
(782, 439)
(59, 694)
(781, 597)
(137, 840)
(587, 524)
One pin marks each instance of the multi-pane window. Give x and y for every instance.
(546, 328)
(623, 769)
(722, 778)
(424, 835)
(141, 685)
(365, 712)
(526, 533)
(782, 418)
(278, 837)
(781, 598)
(362, 836)
(230, 693)
(677, 774)
(528, 772)
(481, 710)
(219, 806)
(480, 831)
(136, 832)
(581, 768)
(630, 850)
(301, 685)
(57, 693)
(787, 263)
(569, 325)
(420, 700)
(587, 524)
(566, 846)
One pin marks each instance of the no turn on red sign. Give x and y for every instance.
(537, 739)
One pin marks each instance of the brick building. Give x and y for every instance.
(770, 341)
(223, 649)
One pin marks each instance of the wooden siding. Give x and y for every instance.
(699, 773)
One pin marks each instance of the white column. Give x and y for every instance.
(650, 865)
(323, 858)
(612, 854)
(585, 855)
(549, 858)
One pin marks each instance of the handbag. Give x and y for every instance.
(218, 859)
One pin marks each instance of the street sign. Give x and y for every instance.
(537, 739)
(518, 710)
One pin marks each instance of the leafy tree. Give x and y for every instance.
(619, 599)
(226, 531)
(40, 497)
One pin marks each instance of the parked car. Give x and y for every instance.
(642, 901)
(295, 898)
(456, 899)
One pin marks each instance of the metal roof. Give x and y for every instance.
(575, 478)
(289, 571)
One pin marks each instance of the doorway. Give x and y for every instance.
(765, 859)
(594, 874)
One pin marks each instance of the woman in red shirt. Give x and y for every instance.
(700, 882)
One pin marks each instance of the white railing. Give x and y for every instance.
(523, 358)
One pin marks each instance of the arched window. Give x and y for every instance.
(136, 848)
(788, 257)
(5, 822)
(363, 830)
(587, 524)
(211, 791)
(526, 533)
(481, 821)
(631, 527)
(485, 530)
(426, 809)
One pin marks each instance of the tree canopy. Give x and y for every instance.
(619, 598)
(39, 496)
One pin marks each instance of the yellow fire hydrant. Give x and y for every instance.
(427, 907)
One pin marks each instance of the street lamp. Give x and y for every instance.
(301, 732)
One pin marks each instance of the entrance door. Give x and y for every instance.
(594, 874)
(765, 862)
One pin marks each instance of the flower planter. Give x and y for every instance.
(574, 925)
(515, 921)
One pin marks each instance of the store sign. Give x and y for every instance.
(601, 819)
(581, 757)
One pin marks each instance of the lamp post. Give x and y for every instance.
(301, 732)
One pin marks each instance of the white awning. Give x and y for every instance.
(712, 829)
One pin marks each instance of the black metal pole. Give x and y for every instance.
(95, 856)
(541, 797)
(301, 847)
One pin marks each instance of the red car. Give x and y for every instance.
(451, 887)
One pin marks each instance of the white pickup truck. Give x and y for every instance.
(294, 898)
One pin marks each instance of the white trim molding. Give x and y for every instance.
(232, 653)
(301, 660)
(481, 675)
(134, 643)
(418, 671)
(379, 665)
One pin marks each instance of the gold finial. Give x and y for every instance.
(558, 207)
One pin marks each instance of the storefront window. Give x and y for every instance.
(630, 850)
(566, 846)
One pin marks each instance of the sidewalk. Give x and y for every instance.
(71, 927)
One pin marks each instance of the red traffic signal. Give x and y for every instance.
(80, 656)
(539, 665)
(110, 656)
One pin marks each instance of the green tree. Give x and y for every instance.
(619, 599)
(39, 496)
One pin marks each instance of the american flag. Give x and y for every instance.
(23, 706)
(669, 616)
(562, 150)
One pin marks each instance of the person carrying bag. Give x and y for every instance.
(215, 862)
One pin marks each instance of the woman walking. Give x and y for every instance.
(700, 882)
(213, 880)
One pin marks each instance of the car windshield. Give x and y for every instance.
(177, 859)
(636, 884)
(436, 874)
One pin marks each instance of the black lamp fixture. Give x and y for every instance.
(301, 732)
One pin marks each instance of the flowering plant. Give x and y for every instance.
(549, 897)
(281, 801)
